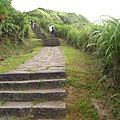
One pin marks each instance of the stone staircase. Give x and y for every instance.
(39, 98)
(38, 32)
(45, 41)
(36, 88)
(51, 42)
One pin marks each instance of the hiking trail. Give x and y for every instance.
(36, 87)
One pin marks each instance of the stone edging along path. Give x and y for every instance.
(36, 87)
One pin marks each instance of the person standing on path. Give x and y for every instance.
(32, 24)
(52, 30)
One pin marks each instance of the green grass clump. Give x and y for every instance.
(3, 102)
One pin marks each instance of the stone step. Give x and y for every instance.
(38, 36)
(43, 110)
(31, 117)
(37, 30)
(32, 84)
(32, 95)
(54, 119)
(16, 75)
(50, 42)
(53, 42)
(52, 39)
(43, 36)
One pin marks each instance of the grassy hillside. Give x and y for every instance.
(58, 17)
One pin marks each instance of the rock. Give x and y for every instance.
(99, 105)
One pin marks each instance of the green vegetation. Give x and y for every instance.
(47, 67)
(92, 69)
(3, 102)
(4, 4)
(14, 25)
(37, 102)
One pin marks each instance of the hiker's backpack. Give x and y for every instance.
(53, 29)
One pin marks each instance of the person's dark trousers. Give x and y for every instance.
(52, 34)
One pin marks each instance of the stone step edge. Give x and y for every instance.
(46, 110)
(33, 95)
(36, 80)
(32, 84)
(30, 76)
(46, 104)
(50, 41)
(49, 45)
(5, 118)
(43, 91)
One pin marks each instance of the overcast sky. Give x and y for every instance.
(91, 9)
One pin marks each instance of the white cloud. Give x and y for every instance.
(91, 9)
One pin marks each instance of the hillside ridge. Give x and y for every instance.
(59, 17)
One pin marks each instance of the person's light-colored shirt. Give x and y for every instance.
(50, 28)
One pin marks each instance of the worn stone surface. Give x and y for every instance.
(43, 61)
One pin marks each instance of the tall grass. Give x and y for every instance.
(106, 44)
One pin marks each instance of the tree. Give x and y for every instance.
(4, 4)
